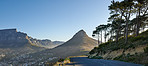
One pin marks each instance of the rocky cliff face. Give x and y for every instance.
(10, 38)
(11, 34)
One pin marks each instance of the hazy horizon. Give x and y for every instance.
(53, 19)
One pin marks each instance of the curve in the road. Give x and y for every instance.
(84, 61)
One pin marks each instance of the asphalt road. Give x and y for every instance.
(84, 61)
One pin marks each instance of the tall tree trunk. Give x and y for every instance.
(105, 36)
(111, 36)
(126, 39)
(117, 35)
(118, 31)
(137, 27)
(138, 24)
(134, 28)
(101, 37)
(124, 32)
(98, 40)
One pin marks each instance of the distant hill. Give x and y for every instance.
(79, 44)
(46, 43)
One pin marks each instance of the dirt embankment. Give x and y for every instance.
(131, 51)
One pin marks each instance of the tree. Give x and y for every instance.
(141, 7)
(124, 8)
(121, 25)
(128, 10)
(116, 9)
(96, 32)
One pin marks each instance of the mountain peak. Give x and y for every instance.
(79, 44)
(80, 33)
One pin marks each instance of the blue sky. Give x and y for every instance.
(53, 19)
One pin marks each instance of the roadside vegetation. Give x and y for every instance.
(139, 58)
(133, 42)
(62, 61)
(123, 31)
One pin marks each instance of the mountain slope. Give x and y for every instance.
(79, 44)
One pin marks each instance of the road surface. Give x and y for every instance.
(84, 61)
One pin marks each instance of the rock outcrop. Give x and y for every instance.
(12, 38)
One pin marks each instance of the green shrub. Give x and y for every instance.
(128, 55)
(96, 57)
(146, 50)
(129, 46)
(105, 44)
(121, 38)
(132, 39)
(115, 48)
(67, 58)
(119, 57)
(93, 50)
(109, 58)
(61, 60)
(130, 59)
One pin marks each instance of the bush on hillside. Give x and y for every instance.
(146, 50)
(61, 60)
(96, 57)
(67, 59)
(118, 57)
(93, 51)
(104, 44)
(132, 39)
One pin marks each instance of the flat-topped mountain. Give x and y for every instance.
(79, 44)
(10, 38)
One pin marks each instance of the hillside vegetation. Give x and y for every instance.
(136, 50)
(122, 35)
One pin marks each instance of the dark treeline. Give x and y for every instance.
(121, 22)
